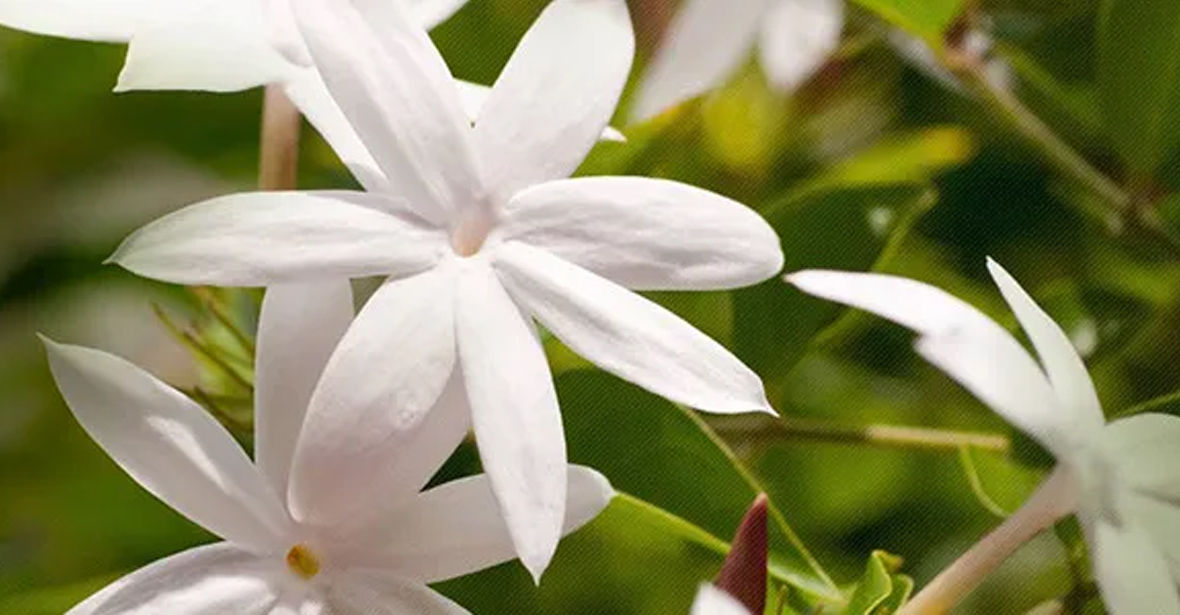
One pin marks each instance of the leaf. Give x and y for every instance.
(667, 456)
(852, 228)
(1139, 78)
(928, 19)
(880, 590)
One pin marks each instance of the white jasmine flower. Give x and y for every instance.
(709, 39)
(272, 560)
(713, 601)
(1122, 479)
(479, 233)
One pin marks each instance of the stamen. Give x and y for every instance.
(302, 561)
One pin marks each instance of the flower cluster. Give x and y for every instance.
(469, 215)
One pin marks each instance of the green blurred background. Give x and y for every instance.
(875, 163)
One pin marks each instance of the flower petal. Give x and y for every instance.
(453, 529)
(368, 52)
(1065, 369)
(430, 13)
(298, 329)
(110, 21)
(376, 592)
(556, 94)
(266, 238)
(1161, 520)
(707, 41)
(797, 38)
(1146, 448)
(170, 446)
(1131, 572)
(381, 383)
(514, 412)
(714, 601)
(204, 45)
(474, 96)
(647, 234)
(628, 335)
(206, 580)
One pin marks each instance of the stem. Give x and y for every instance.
(892, 436)
(1051, 501)
(279, 150)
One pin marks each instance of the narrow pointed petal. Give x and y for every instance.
(515, 414)
(169, 445)
(384, 378)
(1067, 373)
(713, 601)
(474, 96)
(743, 575)
(298, 329)
(706, 43)
(310, 95)
(367, 51)
(647, 234)
(454, 529)
(267, 238)
(1131, 572)
(998, 371)
(110, 21)
(430, 13)
(376, 592)
(797, 38)
(556, 94)
(210, 45)
(206, 580)
(1160, 518)
(1146, 448)
(629, 335)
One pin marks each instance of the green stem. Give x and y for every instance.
(889, 436)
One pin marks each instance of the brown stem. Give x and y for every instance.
(279, 155)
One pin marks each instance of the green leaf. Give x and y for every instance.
(852, 228)
(927, 19)
(880, 590)
(667, 456)
(1139, 78)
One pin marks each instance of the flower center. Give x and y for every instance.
(469, 235)
(303, 562)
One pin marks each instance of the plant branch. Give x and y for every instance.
(279, 149)
(891, 436)
(1051, 501)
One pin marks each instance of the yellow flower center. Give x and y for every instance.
(303, 562)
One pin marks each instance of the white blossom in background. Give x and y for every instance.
(478, 231)
(374, 558)
(1122, 479)
(709, 40)
(977, 44)
(712, 600)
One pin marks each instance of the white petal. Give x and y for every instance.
(110, 21)
(556, 94)
(1146, 448)
(514, 412)
(707, 41)
(647, 234)
(309, 93)
(375, 592)
(385, 376)
(207, 580)
(265, 238)
(430, 13)
(998, 371)
(628, 335)
(455, 529)
(474, 95)
(170, 446)
(1131, 572)
(1067, 373)
(1161, 520)
(797, 38)
(206, 45)
(298, 329)
(393, 86)
(713, 601)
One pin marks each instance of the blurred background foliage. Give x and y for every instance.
(882, 161)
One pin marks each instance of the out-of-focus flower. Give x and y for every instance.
(709, 39)
(376, 559)
(712, 601)
(1122, 479)
(478, 232)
